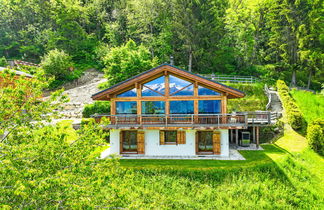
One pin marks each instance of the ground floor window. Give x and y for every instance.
(205, 141)
(170, 137)
(129, 141)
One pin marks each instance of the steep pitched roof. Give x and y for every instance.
(232, 92)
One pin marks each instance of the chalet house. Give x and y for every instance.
(168, 111)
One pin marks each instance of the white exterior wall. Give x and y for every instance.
(153, 147)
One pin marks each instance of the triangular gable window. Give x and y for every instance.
(155, 87)
(202, 91)
(180, 87)
(128, 93)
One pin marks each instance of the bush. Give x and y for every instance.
(3, 62)
(315, 136)
(294, 115)
(98, 107)
(57, 63)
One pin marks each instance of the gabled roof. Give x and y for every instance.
(232, 92)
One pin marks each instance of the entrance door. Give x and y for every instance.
(129, 141)
(205, 142)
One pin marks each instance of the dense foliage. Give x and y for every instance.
(315, 135)
(294, 115)
(98, 107)
(57, 63)
(126, 61)
(269, 38)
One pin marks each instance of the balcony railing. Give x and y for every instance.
(187, 120)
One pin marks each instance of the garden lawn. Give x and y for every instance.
(311, 105)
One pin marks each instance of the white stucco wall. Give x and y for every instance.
(153, 147)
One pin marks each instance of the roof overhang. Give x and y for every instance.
(107, 93)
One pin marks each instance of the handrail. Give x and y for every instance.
(234, 119)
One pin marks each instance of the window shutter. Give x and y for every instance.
(216, 143)
(181, 137)
(162, 137)
(121, 137)
(140, 142)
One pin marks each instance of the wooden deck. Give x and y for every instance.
(188, 121)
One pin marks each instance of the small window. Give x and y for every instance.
(128, 93)
(180, 87)
(170, 137)
(202, 91)
(126, 107)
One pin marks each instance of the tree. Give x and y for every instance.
(57, 63)
(126, 61)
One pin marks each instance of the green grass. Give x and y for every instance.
(311, 105)
(285, 175)
(255, 98)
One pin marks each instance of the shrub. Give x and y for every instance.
(57, 63)
(3, 62)
(315, 136)
(98, 107)
(294, 115)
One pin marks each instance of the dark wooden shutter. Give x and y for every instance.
(140, 142)
(121, 137)
(181, 137)
(216, 143)
(162, 137)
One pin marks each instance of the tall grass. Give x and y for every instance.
(311, 105)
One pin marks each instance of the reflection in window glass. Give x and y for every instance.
(181, 107)
(180, 87)
(129, 93)
(154, 88)
(202, 91)
(153, 107)
(209, 106)
(170, 137)
(126, 107)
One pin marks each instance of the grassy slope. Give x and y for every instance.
(311, 105)
(255, 98)
(286, 175)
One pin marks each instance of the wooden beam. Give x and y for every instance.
(112, 107)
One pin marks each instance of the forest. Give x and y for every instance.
(270, 39)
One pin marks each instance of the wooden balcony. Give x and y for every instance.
(207, 121)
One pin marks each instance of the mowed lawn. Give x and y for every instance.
(285, 175)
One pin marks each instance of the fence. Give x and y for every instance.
(231, 78)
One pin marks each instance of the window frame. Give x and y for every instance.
(169, 142)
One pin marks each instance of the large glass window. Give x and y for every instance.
(126, 107)
(181, 107)
(209, 106)
(129, 141)
(153, 107)
(202, 91)
(154, 88)
(180, 87)
(128, 93)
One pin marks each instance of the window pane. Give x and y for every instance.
(181, 107)
(153, 107)
(209, 106)
(176, 84)
(129, 141)
(170, 136)
(126, 107)
(205, 141)
(202, 91)
(157, 85)
(129, 93)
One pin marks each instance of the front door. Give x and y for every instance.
(205, 142)
(129, 141)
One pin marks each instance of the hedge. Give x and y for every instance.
(98, 107)
(295, 117)
(315, 135)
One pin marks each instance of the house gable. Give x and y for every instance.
(161, 71)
